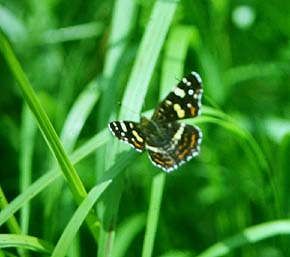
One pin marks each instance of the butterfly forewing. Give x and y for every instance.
(184, 101)
(128, 132)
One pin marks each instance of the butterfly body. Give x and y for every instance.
(156, 133)
(169, 143)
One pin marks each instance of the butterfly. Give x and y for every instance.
(168, 143)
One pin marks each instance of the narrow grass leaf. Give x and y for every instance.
(177, 254)
(250, 235)
(12, 223)
(44, 123)
(126, 234)
(28, 132)
(78, 115)
(175, 40)
(73, 180)
(153, 214)
(40, 184)
(73, 33)
(26, 242)
(11, 25)
(136, 89)
(151, 44)
(78, 218)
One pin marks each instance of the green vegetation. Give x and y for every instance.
(69, 188)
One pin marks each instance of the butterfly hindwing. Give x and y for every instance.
(184, 144)
(128, 132)
(184, 101)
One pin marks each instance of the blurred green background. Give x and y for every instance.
(80, 58)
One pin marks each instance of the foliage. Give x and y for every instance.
(68, 188)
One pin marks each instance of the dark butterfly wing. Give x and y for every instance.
(128, 132)
(181, 147)
(184, 101)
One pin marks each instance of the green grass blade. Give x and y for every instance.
(250, 235)
(43, 121)
(26, 156)
(126, 234)
(74, 182)
(12, 223)
(78, 115)
(78, 218)
(136, 89)
(177, 254)
(40, 184)
(148, 53)
(153, 214)
(179, 38)
(26, 242)
(78, 32)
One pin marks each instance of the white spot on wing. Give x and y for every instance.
(155, 149)
(179, 132)
(168, 102)
(123, 126)
(190, 91)
(179, 92)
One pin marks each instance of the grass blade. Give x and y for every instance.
(250, 235)
(78, 218)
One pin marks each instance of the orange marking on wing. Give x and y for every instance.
(193, 110)
(180, 147)
(158, 161)
(137, 145)
(193, 141)
(162, 162)
(185, 150)
(169, 162)
(154, 157)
